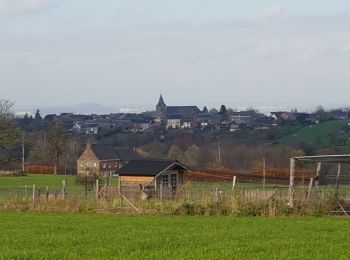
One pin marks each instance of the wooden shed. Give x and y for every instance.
(160, 177)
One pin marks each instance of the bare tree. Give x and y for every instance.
(57, 142)
(9, 134)
(5, 108)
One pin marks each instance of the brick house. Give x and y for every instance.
(98, 159)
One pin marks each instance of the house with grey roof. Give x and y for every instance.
(98, 160)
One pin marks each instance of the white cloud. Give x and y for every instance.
(273, 11)
(10, 7)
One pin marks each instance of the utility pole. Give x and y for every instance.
(23, 156)
(264, 173)
(66, 166)
(219, 155)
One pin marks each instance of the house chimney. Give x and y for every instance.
(89, 142)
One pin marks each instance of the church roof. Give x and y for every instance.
(182, 110)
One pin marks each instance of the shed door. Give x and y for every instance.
(170, 180)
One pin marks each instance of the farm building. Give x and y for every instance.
(162, 177)
(98, 159)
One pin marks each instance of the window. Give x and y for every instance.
(165, 180)
(104, 165)
(173, 180)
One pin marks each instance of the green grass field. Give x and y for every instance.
(16, 185)
(37, 179)
(316, 135)
(68, 236)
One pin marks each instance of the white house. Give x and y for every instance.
(173, 122)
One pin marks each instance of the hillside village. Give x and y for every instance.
(202, 138)
(174, 129)
(187, 118)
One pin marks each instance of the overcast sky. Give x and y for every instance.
(125, 53)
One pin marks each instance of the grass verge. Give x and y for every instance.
(84, 236)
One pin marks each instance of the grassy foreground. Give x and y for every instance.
(80, 236)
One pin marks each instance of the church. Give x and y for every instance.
(164, 112)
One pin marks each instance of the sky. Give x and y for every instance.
(291, 53)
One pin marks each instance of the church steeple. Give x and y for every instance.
(161, 108)
(161, 102)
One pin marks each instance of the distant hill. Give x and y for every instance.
(323, 135)
(85, 108)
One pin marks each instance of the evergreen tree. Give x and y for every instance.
(223, 110)
(37, 115)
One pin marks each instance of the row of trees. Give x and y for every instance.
(50, 145)
(53, 146)
(221, 155)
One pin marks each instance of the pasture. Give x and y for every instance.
(37, 179)
(84, 236)
(23, 184)
(318, 135)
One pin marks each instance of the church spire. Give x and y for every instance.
(161, 102)
(161, 108)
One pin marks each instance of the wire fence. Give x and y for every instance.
(43, 191)
(133, 197)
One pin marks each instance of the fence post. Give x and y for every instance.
(234, 182)
(33, 194)
(291, 183)
(216, 194)
(119, 185)
(47, 192)
(318, 170)
(337, 181)
(64, 189)
(120, 191)
(96, 190)
(310, 188)
(161, 189)
(25, 191)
